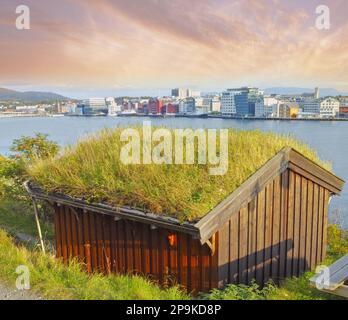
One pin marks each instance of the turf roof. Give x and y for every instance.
(92, 170)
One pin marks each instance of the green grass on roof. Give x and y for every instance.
(92, 170)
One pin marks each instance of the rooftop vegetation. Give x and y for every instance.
(92, 170)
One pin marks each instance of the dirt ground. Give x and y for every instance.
(7, 293)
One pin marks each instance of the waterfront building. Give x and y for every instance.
(216, 104)
(241, 101)
(270, 106)
(329, 107)
(155, 106)
(203, 105)
(172, 108)
(228, 104)
(187, 106)
(311, 107)
(287, 110)
(95, 105)
(343, 106)
(113, 107)
(260, 110)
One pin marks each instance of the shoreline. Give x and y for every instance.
(12, 116)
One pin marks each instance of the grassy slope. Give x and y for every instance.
(17, 216)
(51, 279)
(92, 170)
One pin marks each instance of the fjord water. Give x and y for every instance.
(330, 139)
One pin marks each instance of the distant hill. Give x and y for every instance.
(29, 96)
(297, 90)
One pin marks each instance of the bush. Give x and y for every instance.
(13, 169)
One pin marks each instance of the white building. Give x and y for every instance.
(329, 107)
(113, 107)
(193, 93)
(180, 93)
(183, 93)
(216, 104)
(228, 104)
(187, 106)
(96, 104)
(271, 106)
(203, 105)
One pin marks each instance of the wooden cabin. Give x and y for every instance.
(273, 226)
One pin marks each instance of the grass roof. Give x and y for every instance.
(92, 170)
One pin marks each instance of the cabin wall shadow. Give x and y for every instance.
(245, 270)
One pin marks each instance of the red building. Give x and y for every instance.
(172, 108)
(155, 106)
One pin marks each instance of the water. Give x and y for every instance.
(330, 139)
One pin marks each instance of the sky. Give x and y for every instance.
(84, 48)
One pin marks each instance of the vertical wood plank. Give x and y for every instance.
(268, 232)
(303, 225)
(58, 235)
(309, 224)
(74, 238)
(68, 232)
(314, 260)
(93, 241)
(114, 247)
(284, 224)
(224, 255)
(276, 229)
(290, 225)
(183, 259)
(243, 245)
(252, 210)
(100, 242)
(195, 267)
(106, 224)
(189, 264)
(325, 223)
(87, 241)
(234, 249)
(137, 231)
(80, 236)
(63, 233)
(121, 247)
(146, 249)
(173, 257)
(320, 225)
(297, 218)
(154, 261)
(206, 268)
(261, 209)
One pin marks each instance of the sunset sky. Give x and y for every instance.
(113, 47)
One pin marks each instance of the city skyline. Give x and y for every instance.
(118, 47)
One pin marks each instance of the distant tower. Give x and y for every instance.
(317, 93)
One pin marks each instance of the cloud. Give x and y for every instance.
(154, 43)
